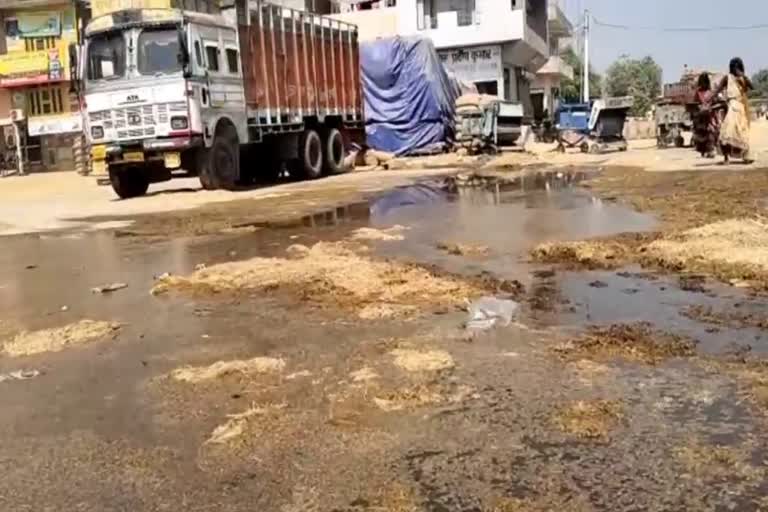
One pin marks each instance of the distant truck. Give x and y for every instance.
(229, 95)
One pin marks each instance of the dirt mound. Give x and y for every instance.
(636, 342)
(221, 369)
(58, 338)
(328, 272)
(590, 420)
(728, 248)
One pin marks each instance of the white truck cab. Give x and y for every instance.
(170, 91)
(155, 83)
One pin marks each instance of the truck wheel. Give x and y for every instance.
(679, 141)
(219, 165)
(129, 182)
(311, 154)
(333, 152)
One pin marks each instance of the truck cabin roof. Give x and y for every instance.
(121, 20)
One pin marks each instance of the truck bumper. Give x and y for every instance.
(161, 153)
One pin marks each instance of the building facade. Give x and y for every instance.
(39, 112)
(545, 91)
(495, 45)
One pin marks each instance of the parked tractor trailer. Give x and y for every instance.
(229, 95)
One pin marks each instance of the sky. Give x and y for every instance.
(699, 50)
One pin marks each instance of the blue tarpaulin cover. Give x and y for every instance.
(409, 98)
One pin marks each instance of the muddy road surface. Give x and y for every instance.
(320, 361)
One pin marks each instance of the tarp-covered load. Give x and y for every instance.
(409, 98)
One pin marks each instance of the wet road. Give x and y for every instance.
(510, 425)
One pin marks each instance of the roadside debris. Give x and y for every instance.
(221, 369)
(19, 375)
(392, 234)
(58, 338)
(488, 312)
(109, 288)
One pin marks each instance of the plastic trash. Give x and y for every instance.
(487, 312)
(19, 375)
(109, 288)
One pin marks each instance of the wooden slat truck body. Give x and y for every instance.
(229, 95)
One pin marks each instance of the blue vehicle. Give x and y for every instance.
(595, 126)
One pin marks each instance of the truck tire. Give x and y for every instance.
(333, 152)
(310, 154)
(679, 141)
(220, 164)
(128, 182)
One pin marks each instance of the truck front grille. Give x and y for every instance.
(137, 122)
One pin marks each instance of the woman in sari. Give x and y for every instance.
(734, 133)
(706, 122)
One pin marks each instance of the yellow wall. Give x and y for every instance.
(101, 7)
(32, 56)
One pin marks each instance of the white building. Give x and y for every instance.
(545, 89)
(497, 45)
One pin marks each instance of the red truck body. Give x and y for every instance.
(298, 65)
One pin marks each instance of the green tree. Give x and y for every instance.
(760, 82)
(639, 78)
(570, 88)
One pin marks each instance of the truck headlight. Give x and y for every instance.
(97, 132)
(179, 123)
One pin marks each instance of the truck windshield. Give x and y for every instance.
(106, 56)
(159, 51)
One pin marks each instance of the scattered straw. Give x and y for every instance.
(735, 248)
(422, 361)
(589, 420)
(58, 338)
(385, 311)
(223, 368)
(717, 462)
(636, 342)
(590, 254)
(236, 424)
(327, 271)
(421, 395)
(393, 234)
(457, 249)
(364, 374)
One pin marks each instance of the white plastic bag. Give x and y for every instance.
(488, 312)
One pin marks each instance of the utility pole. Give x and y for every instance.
(585, 80)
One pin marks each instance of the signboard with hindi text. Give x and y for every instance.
(474, 63)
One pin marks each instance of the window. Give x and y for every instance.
(106, 56)
(212, 56)
(159, 51)
(233, 62)
(42, 101)
(198, 54)
(12, 28)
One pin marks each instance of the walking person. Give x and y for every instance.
(706, 122)
(734, 133)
